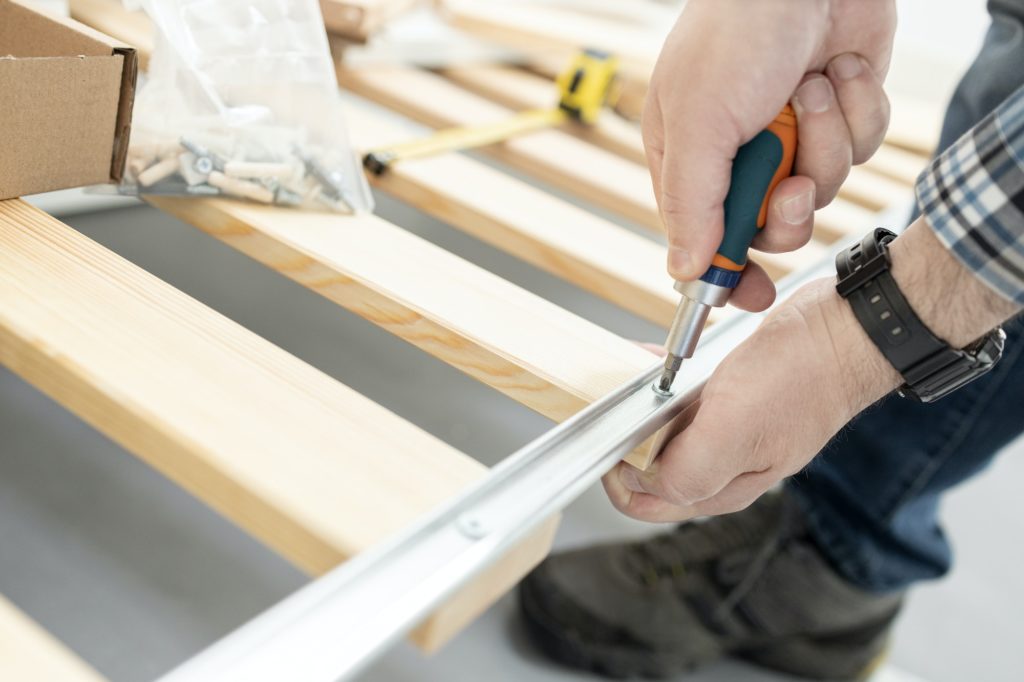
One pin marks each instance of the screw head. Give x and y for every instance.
(203, 165)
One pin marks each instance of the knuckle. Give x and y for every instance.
(674, 204)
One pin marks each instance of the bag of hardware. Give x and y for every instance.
(241, 101)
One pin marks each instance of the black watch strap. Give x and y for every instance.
(929, 365)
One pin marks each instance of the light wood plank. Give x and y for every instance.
(874, 191)
(110, 16)
(552, 234)
(508, 338)
(553, 34)
(28, 652)
(556, 32)
(519, 89)
(553, 156)
(899, 164)
(357, 20)
(843, 221)
(550, 155)
(309, 466)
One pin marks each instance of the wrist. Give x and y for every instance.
(948, 298)
(859, 371)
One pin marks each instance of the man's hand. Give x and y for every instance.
(726, 70)
(782, 394)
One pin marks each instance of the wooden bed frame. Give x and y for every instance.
(307, 465)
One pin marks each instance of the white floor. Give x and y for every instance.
(136, 575)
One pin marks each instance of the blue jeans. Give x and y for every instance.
(872, 496)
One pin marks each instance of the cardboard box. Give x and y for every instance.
(66, 96)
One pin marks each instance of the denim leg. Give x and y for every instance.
(872, 496)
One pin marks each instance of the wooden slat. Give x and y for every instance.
(508, 338)
(899, 164)
(110, 16)
(874, 191)
(28, 652)
(876, 187)
(550, 155)
(357, 20)
(553, 156)
(518, 89)
(554, 33)
(301, 461)
(552, 234)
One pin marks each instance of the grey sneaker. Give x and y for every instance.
(750, 585)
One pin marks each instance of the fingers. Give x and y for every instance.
(739, 494)
(824, 150)
(694, 179)
(863, 102)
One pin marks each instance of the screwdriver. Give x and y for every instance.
(759, 166)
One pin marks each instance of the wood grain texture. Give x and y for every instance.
(28, 652)
(552, 156)
(522, 345)
(885, 183)
(554, 235)
(552, 34)
(307, 465)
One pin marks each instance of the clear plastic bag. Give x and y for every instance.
(241, 100)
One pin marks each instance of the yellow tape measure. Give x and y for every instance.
(584, 89)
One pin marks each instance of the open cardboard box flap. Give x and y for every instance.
(66, 96)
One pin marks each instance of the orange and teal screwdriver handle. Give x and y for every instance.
(759, 166)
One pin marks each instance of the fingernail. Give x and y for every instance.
(814, 96)
(680, 263)
(796, 210)
(847, 66)
(628, 478)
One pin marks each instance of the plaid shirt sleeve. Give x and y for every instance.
(973, 197)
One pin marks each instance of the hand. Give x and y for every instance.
(725, 72)
(782, 394)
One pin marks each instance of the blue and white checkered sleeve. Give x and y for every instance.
(973, 197)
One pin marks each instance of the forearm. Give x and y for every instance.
(948, 297)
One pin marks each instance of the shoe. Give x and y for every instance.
(751, 585)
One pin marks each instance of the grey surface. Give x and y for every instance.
(136, 575)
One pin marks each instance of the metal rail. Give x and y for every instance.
(335, 626)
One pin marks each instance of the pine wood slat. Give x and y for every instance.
(877, 186)
(553, 33)
(309, 466)
(358, 19)
(524, 346)
(28, 652)
(552, 156)
(110, 16)
(559, 237)
(519, 89)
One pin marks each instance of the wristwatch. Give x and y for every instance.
(930, 367)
